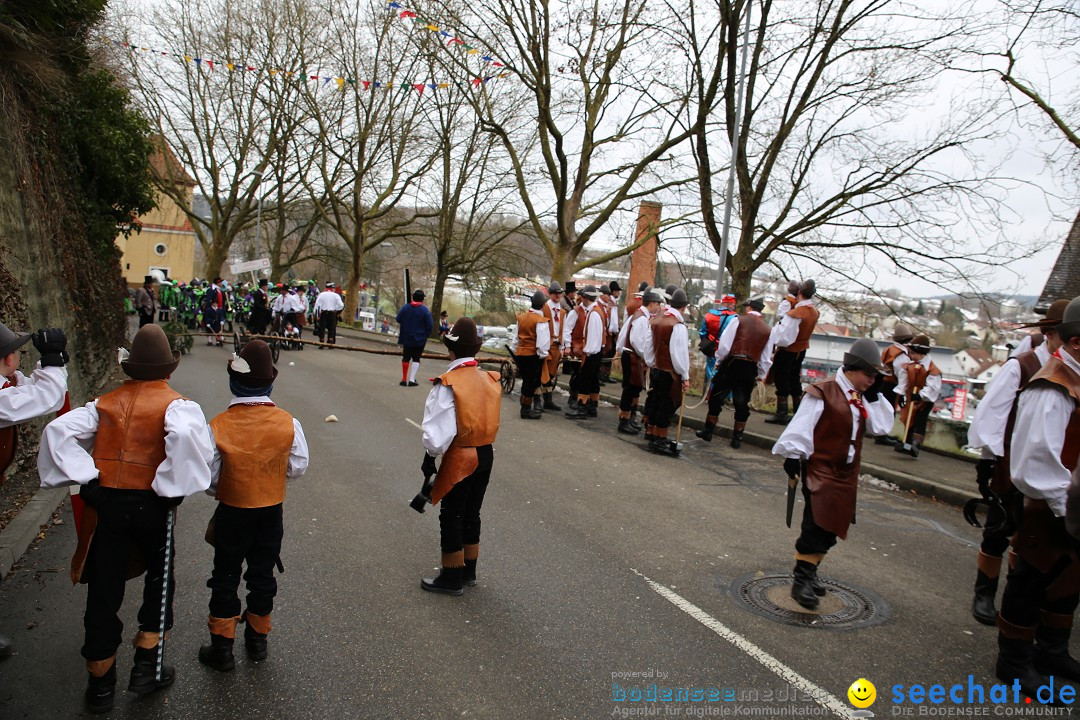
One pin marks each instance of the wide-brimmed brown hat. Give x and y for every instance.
(150, 358)
(920, 344)
(864, 354)
(463, 340)
(254, 366)
(11, 341)
(1054, 315)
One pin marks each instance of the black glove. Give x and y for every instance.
(874, 391)
(901, 400)
(170, 502)
(50, 341)
(793, 467)
(93, 494)
(984, 473)
(428, 467)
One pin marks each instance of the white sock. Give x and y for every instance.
(414, 367)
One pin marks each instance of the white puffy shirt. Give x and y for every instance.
(330, 301)
(30, 397)
(987, 429)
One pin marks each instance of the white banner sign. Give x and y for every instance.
(252, 266)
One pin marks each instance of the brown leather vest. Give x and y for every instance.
(130, 440)
(255, 442)
(917, 376)
(556, 333)
(888, 357)
(1030, 364)
(602, 310)
(526, 323)
(476, 403)
(662, 326)
(832, 481)
(751, 337)
(792, 300)
(808, 315)
(577, 335)
(1056, 372)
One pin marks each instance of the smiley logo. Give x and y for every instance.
(862, 693)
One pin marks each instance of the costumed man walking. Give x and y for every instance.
(743, 356)
(791, 337)
(555, 315)
(635, 353)
(260, 309)
(823, 446)
(609, 299)
(461, 419)
(670, 375)
(533, 344)
(146, 301)
(257, 448)
(151, 448)
(894, 359)
(1040, 598)
(24, 398)
(414, 328)
(923, 376)
(987, 431)
(328, 305)
(712, 327)
(586, 328)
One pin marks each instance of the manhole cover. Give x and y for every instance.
(843, 607)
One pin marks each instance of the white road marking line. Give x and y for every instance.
(819, 695)
(415, 424)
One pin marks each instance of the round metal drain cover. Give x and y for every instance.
(843, 608)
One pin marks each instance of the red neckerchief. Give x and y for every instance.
(1057, 354)
(415, 303)
(856, 400)
(7, 384)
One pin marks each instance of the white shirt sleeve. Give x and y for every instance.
(784, 333)
(782, 308)
(595, 332)
(797, 440)
(879, 420)
(680, 351)
(40, 394)
(66, 443)
(988, 426)
(901, 374)
(543, 339)
(1024, 346)
(1037, 441)
(440, 420)
(932, 391)
(189, 450)
(765, 361)
(215, 467)
(723, 345)
(568, 328)
(298, 453)
(623, 341)
(641, 340)
(613, 318)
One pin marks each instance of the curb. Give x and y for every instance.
(24, 527)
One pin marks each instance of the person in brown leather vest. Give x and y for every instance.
(894, 358)
(919, 387)
(24, 398)
(1043, 586)
(532, 347)
(258, 447)
(461, 419)
(151, 449)
(791, 338)
(556, 315)
(987, 431)
(635, 354)
(823, 446)
(743, 357)
(669, 378)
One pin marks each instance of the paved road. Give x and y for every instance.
(577, 523)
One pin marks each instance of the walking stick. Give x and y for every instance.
(677, 446)
(170, 521)
(906, 446)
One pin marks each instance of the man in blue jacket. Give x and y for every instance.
(414, 328)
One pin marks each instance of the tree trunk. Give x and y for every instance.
(352, 287)
(740, 282)
(437, 294)
(215, 258)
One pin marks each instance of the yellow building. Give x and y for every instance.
(166, 245)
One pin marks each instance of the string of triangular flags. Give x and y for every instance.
(451, 39)
(339, 81)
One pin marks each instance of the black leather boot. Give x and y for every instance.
(626, 428)
(802, 588)
(781, 416)
(815, 582)
(144, 674)
(576, 412)
(736, 435)
(254, 643)
(100, 692)
(633, 420)
(537, 411)
(1014, 663)
(218, 654)
(468, 573)
(1052, 647)
(549, 404)
(527, 412)
(448, 582)
(706, 433)
(590, 408)
(982, 607)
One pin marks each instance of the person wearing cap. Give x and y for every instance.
(670, 375)
(1040, 598)
(257, 448)
(136, 452)
(259, 317)
(790, 300)
(585, 336)
(920, 375)
(609, 304)
(712, 327)
(146, 301)
(894, 359)
(743, 356)
(24, 398)
(414, 328)
(994, 437)
(533, 343)
(444, 323)
(569, 296)
(328, 307)
(791, 337)
(555, 315)
(461, 420)
(823, 446)
(635, 353)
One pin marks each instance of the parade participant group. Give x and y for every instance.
(138, 451)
